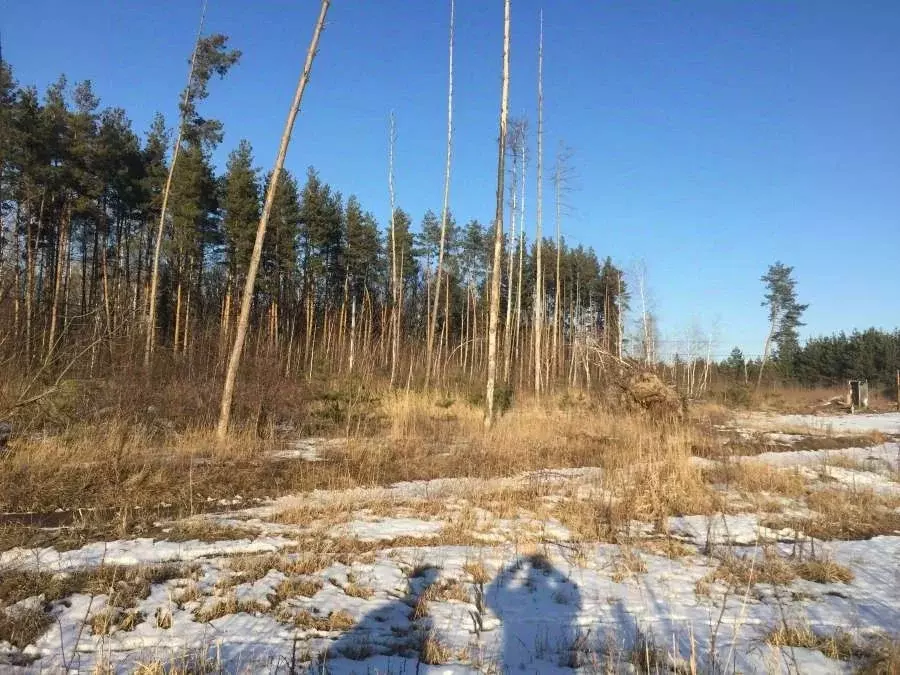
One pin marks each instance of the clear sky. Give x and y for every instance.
(711, 138)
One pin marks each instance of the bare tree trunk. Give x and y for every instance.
(176, 338)
(539, 242)
(521, 251)
(395, 278)
(62, 246)
(557, 300)
(494, 317)
(157, 248)
(352, 335)
(247, 299)
(647, 328)
(18, 281)
(432, 322)
(765, 356)
(510, 261)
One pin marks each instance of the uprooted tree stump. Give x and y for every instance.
(644, 390)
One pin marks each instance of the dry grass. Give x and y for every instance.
(450, 589)
(225, 607)
(356, 590)
(17, 585)
(117, 467)
(297, 587)
(755, 477)
(839, 645)
(650, 490)
(193, 662)
(124, 585)
(335, 621)
(664, 546)
(22, 626)
(627, 565)
(208, 531)
(824, 572)
(433, 652)
(477, 570)
(883, 657)
(770, 568)
(844, 514)
(112, 619)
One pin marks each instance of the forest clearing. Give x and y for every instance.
(760, 543)
(249, 426)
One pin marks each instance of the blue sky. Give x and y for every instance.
(710, 138)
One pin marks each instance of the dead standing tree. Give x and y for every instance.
(432, 321)
(562, 179)
(538, 237)
(396, 290)
(250, 282)
(494, 317)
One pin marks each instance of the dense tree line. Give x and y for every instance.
(830, 361)
(81, 194)
(871, 354)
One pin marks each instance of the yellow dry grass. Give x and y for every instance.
(839, 645)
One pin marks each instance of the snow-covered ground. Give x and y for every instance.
(525, 596)
(860, 423)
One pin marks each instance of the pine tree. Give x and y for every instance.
(279, 261)
(784, 316)
(365, 265)
(240, 204)
(209, 57)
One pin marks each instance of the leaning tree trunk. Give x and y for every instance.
(494, 317)
(250, 282)
(765, 356)
(157, 248)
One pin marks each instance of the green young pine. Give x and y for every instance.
(279, 257)
(240, 209)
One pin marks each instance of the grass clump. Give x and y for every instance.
(770, 568)
(334, 621)
(209, 531)
(225, 607)
(23, 626)
(824, 571)
(433, 652)
(297, 587)
(839, 645)
(112, 619)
